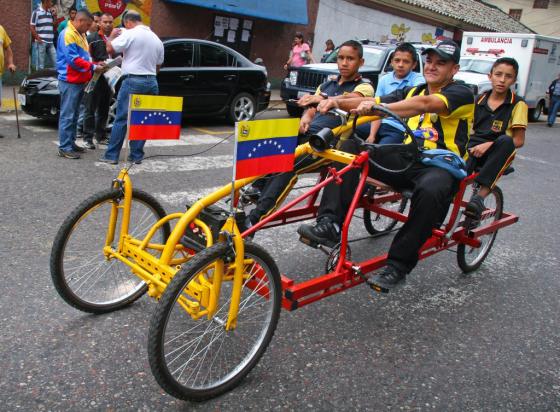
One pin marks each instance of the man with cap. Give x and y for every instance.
(441, 107)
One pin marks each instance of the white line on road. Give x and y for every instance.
(185, 140)
(177, 164)
(532, 159)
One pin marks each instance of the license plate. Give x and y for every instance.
(21, 99)
(301, 94)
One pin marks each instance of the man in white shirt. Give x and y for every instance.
(142, 57)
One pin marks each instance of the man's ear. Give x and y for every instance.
(362, 61)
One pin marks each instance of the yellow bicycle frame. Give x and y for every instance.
(202, 295)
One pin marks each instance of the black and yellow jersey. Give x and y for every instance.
(490, 124)
(450, 131)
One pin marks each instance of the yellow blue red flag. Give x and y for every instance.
(265, 146)
(154, 117)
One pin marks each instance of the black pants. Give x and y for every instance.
(97, 110)
(432, 191)
(494, 162)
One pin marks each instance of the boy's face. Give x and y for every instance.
(348, 61)
(502, 77)
(402, 63)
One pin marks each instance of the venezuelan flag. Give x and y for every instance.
(265, 146)
(154, 117)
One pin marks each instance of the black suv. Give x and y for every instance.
(306, 79)
(213, 80)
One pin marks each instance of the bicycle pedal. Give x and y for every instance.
(309, 242)
(377, 288)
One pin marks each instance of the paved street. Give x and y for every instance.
(488, 341)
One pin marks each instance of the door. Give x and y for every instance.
(178, 77)
(217, 78)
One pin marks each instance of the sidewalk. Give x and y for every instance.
(8, 98)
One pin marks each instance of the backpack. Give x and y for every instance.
(445, 159)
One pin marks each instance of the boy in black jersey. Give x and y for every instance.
(500, 121)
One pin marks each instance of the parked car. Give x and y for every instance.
(307, 78)
(213, 80)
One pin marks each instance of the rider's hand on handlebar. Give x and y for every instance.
(364, 108)
(309, 100)
(327, 104)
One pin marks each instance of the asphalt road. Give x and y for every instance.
(488, 341)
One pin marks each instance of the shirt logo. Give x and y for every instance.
(497, 126)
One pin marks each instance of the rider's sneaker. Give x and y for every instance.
(389, 278)
(324, 232)
(475, 207)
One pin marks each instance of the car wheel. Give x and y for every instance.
(242, 107)
(294, 111)
(112, 113)
(535, 114)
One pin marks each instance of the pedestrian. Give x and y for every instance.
(300, 53)
(99, 99)
(42, 30)
(75, 69)
(329, 48)
(5, 50)
(554, 95)
(94, 28)
(142, 57)
(71, 14)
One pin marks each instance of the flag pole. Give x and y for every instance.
(126, 140)
(234, 167)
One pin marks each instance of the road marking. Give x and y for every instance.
(12, 117)
(176, 164)
(185, 140)
(200, 129)
(532, 159)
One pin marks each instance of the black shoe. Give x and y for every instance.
(136, 162)
(475, 207)
(78, 149)
(549, 124)
(103, 141)
(68, 155)
(251, 195)
(324, 232)
(89, 145)
(389, 278)
(108, 161)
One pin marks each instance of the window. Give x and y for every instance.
(541, 4)
(211, 56)
(178, 55)
(515, 14)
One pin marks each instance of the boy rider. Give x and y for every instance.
(444, 107)
(500, 121)
(348, 84)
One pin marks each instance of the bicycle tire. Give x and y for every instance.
(376, 224)
(119, 286)
(211, 332)
(470, 258)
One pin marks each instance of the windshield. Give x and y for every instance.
(476, 66)
(373, 57)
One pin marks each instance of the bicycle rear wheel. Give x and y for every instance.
(376, 223)
(470, 258)
(81, 273)
(199, 359)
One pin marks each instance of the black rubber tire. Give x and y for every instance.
(163, 313)
(535, 114)
(242, 107)
(294, 111)
(373, 227)
(64, 233)
(467, 265)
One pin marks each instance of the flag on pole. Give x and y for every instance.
(265, 146)
(154, 117)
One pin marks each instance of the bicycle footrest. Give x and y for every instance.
(309, 242)
(377, 288)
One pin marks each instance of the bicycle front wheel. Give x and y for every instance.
(81, 273)
(470, 258)
(197, 359)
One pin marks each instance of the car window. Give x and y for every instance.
(211, 56)
(178, 55)
(476, 66)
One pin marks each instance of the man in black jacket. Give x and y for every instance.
(554, 95)
(97, 105)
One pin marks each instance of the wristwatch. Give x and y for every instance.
(324, 95)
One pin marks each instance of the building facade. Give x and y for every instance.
(541, 16)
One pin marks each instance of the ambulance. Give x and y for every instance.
(539, 64)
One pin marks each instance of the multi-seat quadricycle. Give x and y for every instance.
(219, 293)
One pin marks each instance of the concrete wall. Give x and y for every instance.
(341, 20)
(542, 21)
(15, 19)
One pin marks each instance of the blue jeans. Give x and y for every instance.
(553, 110)
(44, 49)
(130, 85)
(386, 134)
(70, 97)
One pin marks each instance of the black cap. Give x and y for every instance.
(447, 50)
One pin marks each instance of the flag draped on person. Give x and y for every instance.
(154, 117)
(265, 146)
